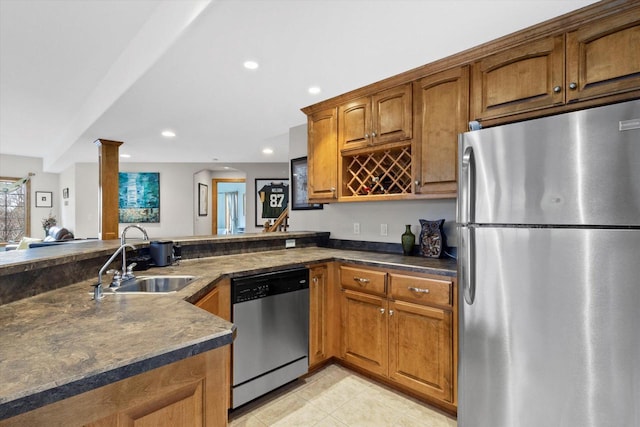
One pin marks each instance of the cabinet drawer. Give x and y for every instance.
(421, 290)
(363, 280)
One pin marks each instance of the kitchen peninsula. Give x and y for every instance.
(59, 344)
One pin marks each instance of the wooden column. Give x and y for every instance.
(108, 188)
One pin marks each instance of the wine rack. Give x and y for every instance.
(384, 172)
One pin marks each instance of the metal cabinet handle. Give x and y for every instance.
(557, 89)
(373, 135)
(315, 279)
(382, 311)
(418, 290)
(573, 86)
(366, 136)
(361, 281)
(390, 312)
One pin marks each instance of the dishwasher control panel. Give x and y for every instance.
(258, 286)
(248, 293)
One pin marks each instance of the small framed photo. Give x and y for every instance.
(299, 192)
(65, 193)
(44, 199)
(203, 199)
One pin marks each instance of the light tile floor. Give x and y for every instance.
(337, 397)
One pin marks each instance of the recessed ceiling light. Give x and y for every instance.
(267, 151)
(125, 156)
(250, 65)
(168, 133)
(314, 90)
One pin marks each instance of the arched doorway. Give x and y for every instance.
(228, 205)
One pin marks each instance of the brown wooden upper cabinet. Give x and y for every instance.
(378, 119)
(604, 58)
(397, 139)
(322, 160)
(441, 108)
(520, 79)
(600, 58)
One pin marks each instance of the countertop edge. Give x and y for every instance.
(34, 401)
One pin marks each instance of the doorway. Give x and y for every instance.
(229, 200)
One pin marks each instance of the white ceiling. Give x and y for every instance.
(73, 71)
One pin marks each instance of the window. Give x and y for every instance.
(14, 209)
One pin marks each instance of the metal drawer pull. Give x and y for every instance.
(418, 290)
(390, 312)
(382, 311)
(361, 280)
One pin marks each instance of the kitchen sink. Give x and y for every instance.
(154, 284)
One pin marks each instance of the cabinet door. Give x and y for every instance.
(364, 331)
(441, 105)
(211, 302)
(420, 348)
(322, 169)
(379, 119)
(604, 57)
(318, 289)
(524, 78)
(392, 118)
(218, 300)
(354, 124)
(181, 408)
(190, 392)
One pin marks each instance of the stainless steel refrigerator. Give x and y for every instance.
(549, 271)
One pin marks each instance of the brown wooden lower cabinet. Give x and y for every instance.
(407, 336)
(324, 314)
(364, 331)
(420, 348)
(318, 322)
(189, 393)
(218, 300)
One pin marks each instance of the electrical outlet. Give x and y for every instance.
(383, 229)
(290, 243)
(356, 228)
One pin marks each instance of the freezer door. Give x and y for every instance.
(575, 168)
(553, 335)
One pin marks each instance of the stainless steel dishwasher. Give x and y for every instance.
(271, 313)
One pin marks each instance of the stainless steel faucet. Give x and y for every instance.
(97, 288)
(127, 271)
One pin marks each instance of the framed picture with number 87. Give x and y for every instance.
(272, 197)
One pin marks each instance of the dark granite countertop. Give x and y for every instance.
(74, 250)
(61, 343)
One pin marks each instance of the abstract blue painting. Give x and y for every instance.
(139, 197)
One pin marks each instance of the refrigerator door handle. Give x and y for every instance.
(466, 211)
(468, 264)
